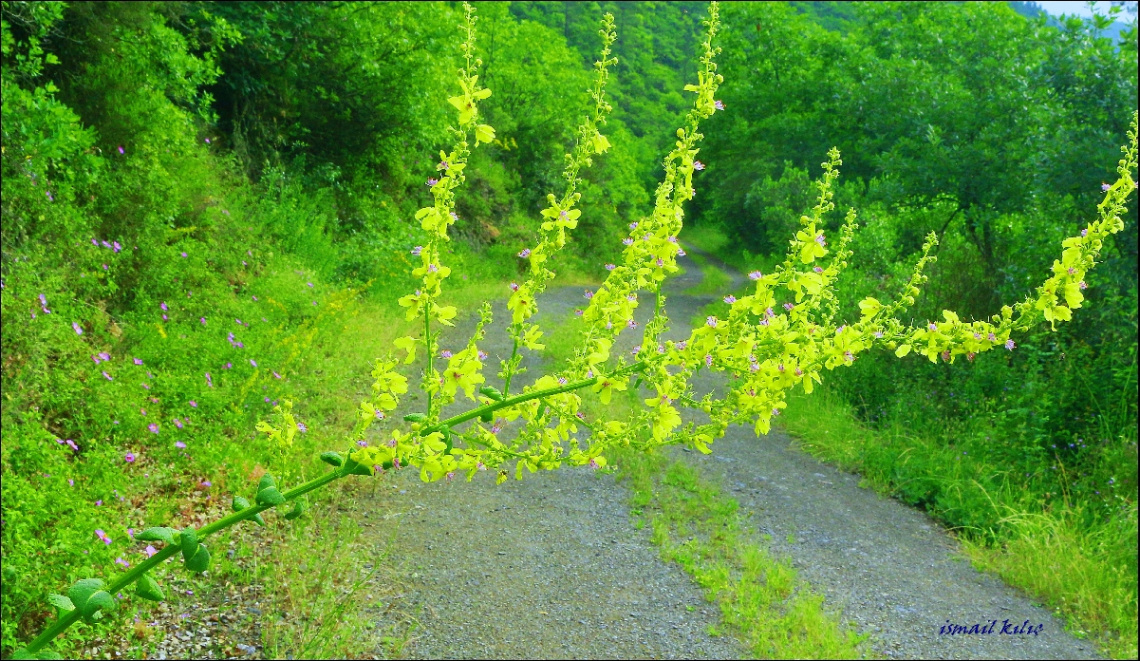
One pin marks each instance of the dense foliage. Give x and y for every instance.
(175, 172)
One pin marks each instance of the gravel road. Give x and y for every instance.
(552, 567)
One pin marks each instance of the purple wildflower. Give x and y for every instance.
(75, 325)
(129, 457)
(610, 267)
(180, 445)
(711, 322)
(719, 104)
(150, 551)
(121, 150)
(1105, 187)
(302, 427)
(755, 275)
(153, 428)
(697, 165)
(177, 423)
(107, 376)
(1010, 344)
(194, 403)
(524, 253)
(445, 354)
(253, 362)
(730, 299)
(627, 241)
(432, 182)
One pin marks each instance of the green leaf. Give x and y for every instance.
(189, 543)
(61, 602)
(270, 496)
(492, 392)
(239, 504)
(353, 467)
(160, 534)
(147, 588)
(98, 601)
(332, 458)
(266, 482)
(256, 518)
(82, 591)
(299, 508)
(48, 654)
(200, 561)
(415, 417)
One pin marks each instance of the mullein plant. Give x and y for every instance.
(782, 334)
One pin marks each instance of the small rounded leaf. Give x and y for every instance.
(160, 534)
(266, 482)
(189, 543)
(239, 504)
(299, 508)
(82, 591)
(332, 458)
(98, 601)
(415, 417)
(270, 496)
(148, 588)
(256, 518)
(61, 602)
(200, 561)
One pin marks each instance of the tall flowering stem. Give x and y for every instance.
(561, 216)
(436, 219)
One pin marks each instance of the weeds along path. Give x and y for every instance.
(551, 566)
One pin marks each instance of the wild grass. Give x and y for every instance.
(762, 600)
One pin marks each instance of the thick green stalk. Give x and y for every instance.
(525, 397)
(170, 550)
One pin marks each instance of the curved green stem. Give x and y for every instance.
(525, 397)
(170, 550)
